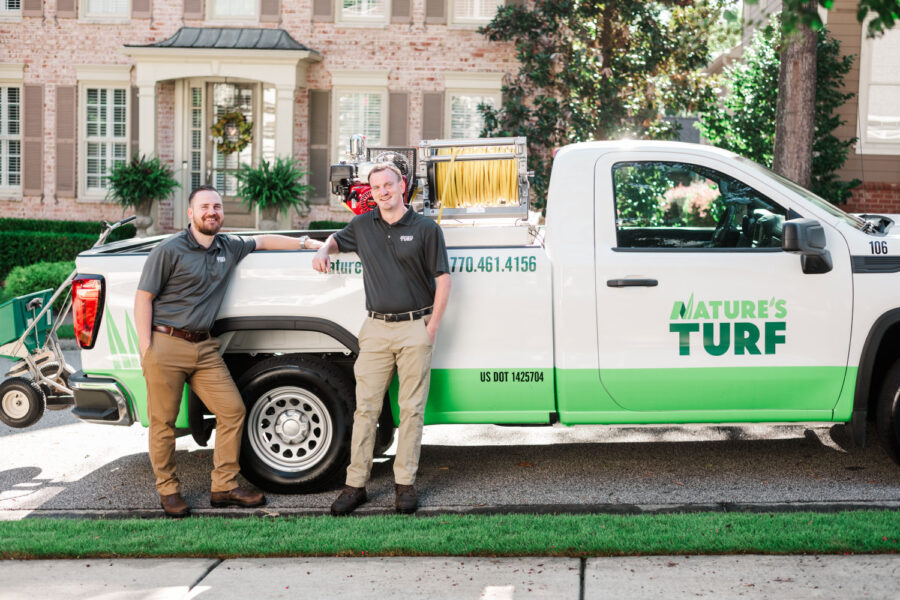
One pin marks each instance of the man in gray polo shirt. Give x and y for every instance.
(179, 294)
(406, 276)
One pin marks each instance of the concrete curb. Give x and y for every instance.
(432, 511)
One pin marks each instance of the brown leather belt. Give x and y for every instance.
(191, 336)
(405, 316)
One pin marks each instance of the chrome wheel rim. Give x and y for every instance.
(290, 429)
(16, 404)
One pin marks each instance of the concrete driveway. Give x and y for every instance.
(65, 466)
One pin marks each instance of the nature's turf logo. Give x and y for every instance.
(744, 326)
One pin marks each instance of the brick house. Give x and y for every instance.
(84, 83)
(873, 115)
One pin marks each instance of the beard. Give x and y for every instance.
(207, 228)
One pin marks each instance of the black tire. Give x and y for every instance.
(299, 420)
(887, 416)
(384, 435)
(21, 402)
(53, 398)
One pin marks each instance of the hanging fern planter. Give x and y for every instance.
(236, 122)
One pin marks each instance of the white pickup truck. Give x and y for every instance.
(671, 283)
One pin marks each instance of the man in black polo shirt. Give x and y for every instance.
(406, 276)
(179, 294)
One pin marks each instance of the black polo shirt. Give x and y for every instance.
(400, 261)
(188, 281)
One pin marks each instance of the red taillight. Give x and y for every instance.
(87, 308)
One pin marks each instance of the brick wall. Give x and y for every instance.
(415, 54)
(875, 198)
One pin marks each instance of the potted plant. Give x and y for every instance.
(137, 184)
(273, 187)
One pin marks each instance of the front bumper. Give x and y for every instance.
(99, 400)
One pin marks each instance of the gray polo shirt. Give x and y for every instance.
(188, 281)
(400, 260)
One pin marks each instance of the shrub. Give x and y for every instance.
(92, 227)
(20, 248)
(37, 277)
(320, 225)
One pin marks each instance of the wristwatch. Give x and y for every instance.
(303, 239)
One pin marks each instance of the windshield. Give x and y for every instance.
(828, 207)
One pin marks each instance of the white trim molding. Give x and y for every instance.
(12, 72)
(115, 74)
(485, 82)
(359, 79)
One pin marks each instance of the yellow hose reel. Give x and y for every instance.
(475, 178)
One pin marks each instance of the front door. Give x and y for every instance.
(209, 161)
(700, 312)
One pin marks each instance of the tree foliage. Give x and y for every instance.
(599, 70)
(744, 120)
(885, 14)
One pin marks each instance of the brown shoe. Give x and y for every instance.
(237, 497)
(406, 501)
(174, 505)
(347, 501)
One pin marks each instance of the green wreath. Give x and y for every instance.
(244, 137)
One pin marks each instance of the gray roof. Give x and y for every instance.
(229, 38)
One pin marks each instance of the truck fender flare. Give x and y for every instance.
(864, 374)
(325, 326)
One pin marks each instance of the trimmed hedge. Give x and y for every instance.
(37, 277)
(28, 247)
(318, 225)
(28, 241)
(92, 227)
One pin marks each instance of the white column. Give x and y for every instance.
(284, 121)
(284, 135)
(147, 119)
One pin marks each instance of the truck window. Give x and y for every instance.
(678, 205)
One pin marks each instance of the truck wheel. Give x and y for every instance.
(887, 418)
(385, 434)
(21, 402)
(297, 432)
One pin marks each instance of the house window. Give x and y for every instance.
(465, 119)
(363, 11)
(359, 112)
(10, 137)
(473, 12)
(10, 8)
(118, 9)
(234, 9)
(879, 95)
(105, 139)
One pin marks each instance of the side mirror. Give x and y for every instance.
(806, 237)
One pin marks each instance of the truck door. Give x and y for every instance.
(701, 316)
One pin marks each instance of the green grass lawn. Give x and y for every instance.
(457, 535)
(66, 331)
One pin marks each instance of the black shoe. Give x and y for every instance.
(406, 501)
(349, 498)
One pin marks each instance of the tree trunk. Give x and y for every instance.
(795, 109)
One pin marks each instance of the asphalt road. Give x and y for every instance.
(64, 466)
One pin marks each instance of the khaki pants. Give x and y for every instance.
(382, 347)
(167, 364)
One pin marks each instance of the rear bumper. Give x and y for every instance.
(99, 400)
